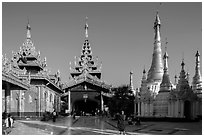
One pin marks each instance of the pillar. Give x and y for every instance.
(39, 102)
(150, 108)
(169, 105)
(182, 108)
(69, 101)
(179, 108)
(139, 108)
(142, 109)
(135, 108)
(7, 98)
(172, 108)
(102, 102)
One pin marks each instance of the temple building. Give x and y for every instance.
(29, 89)
(158, 97)
(85, 93)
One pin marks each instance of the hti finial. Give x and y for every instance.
(182, 63)
(86, 28)
(28, 28)
(166, 43)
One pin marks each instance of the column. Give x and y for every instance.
(176, 112)
(7, 98)
(142, 109)
(179, 108)
(39, 102)
(182, 108)
(172, 108)
(135, 108)
(139, 107)
(101, 102)
(145, 108)
(151, 108)
(169, 105)
(69, 102)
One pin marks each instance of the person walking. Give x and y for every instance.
(54, 115)
(9, 124)
(121, 123)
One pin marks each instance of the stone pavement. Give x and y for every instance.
(18, 126)
(163, 128)
(154, 128)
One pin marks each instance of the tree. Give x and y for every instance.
(123, 100)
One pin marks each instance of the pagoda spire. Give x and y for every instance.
(86, 29)
(155, 72)
(131, 81)
(166, 83)
(28, 29)
(144, 78)
(197, 80)
(182, 82)
(175, 79)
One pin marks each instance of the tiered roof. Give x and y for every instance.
(29, 60)
(86, 68)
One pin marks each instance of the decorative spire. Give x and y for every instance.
(157, 25)
(182, 64)
(155, 73)
(197, 79)
(131, 82)
(187, 76)
(28, 28)
(144, 78)
(166, 83)
(166, 59)
(182, 82)
(86, 63)
(175, 79)
(86, 28)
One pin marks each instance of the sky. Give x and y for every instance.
(120, 34)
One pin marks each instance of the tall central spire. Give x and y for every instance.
(86, 28)
(28, 28)
(155, 72)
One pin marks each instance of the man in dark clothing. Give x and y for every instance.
(54, 115)
(121, 122)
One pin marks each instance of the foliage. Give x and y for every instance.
(123, 100)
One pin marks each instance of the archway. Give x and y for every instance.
(87, 107)
(187, 109)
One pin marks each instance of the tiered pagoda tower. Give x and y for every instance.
(197, 79)
(86, 92)
(155, 72)
(86, 63)
(161, 101)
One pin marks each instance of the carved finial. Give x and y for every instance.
(144, 71)
(86, 28)
(182, 64)
(28, 28)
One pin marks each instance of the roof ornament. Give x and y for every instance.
(28, 28)
(182, 63)
(86, 28)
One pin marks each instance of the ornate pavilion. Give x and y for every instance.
(28, 88)
(85, 92)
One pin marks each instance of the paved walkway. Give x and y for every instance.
(164, 128)
(23, 127)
